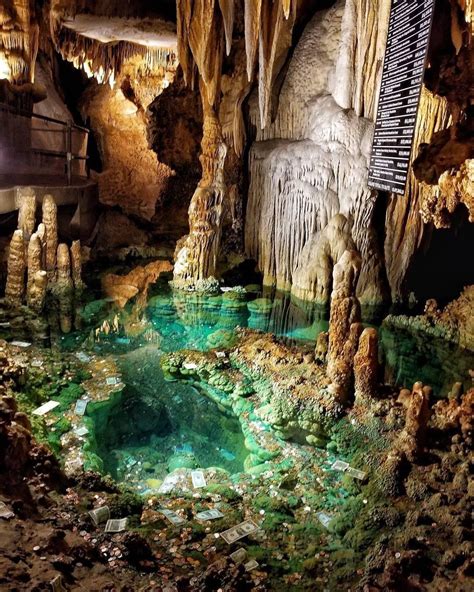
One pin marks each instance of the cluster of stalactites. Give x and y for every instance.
(205, 30)
(36, 263)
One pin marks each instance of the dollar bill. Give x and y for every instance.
(37, 363)
(190, 366)
(21, 343)
(239, 531)
(361, 475)
(168, 484)
(45, 408)
(209, 515)
(80, 407)
(198, 479)
(81, 431)
(116, 525)
(5, 324)
(324, 518)
(172, 516)
(100, 515)
(239, 556)
(340, 465)
(220, 354)
(252, 564)
(112, 380)
(82, 357)
(5, 512)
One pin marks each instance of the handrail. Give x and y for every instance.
(70, 127)
(23, 113)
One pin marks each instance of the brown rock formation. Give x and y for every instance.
(76, 265)
(366, 366)
(50, 221)
(15, 288)
(63, 283)
(412, 439)
(35, 256)
(26, 202)
(124, 287)
(344, 324)
(36, 290)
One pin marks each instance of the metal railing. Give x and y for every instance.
(20, 136)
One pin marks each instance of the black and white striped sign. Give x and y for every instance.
(402, 77)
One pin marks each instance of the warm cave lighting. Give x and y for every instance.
(5, 71)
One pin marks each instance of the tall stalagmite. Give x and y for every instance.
(15, 288)
(50, 221)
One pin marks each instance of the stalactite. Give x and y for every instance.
(50, 221)
(253, 9)
(15, 287)
(227, 10)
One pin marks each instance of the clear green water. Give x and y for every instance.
(154, 426)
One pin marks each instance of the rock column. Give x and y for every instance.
(50, 221)
(15, 287)
(366, 366)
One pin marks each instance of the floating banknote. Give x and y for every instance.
(81, 431)
(100, 515)
(5, 512)
(198, 479)
(220, 354)
(82, 357)
(356, 473)
(46, 408)
(168, 484)
(190, 366)
(80, 407)
(209, 515)
(112, 380)
(5, 324)
(116, 525)
(239, 531)
(339, 465)
(21, 343)
(324, 518)
(37, 363)
(252, 564)
(239, 556)
(171, 516)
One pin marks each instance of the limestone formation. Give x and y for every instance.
(15, 287)
(26, 202)
(36, 290)
(50, 222)
(63, 281)
(76, 265)
(366, 366)
(344, 324)
(322, 344)
(34, 261)
(412, 438)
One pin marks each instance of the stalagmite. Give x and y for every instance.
(412, 438)
(63, 280)
(26, 202)
(76, 265)
(36, 291)
(344, 324)
(50, 221)
(35, 261)
(366, 366)
(322, 344)
(15, 287)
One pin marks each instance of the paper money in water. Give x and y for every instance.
(80, 408)
(5, 512)
(198, 479)
(5, 324)
(220, 354)
(239, 531)
(172, 516)
(324, 518)
(116, 525)
(37, 363)
(21, 343)
(190, 366)
(209, 515)
(82, 357)
(339, 465)
(46, 408)
(112, 380)
(239, 556)
(252, 564)
(168, 484)
(81, 431)
(356, 473)
(100, 515)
